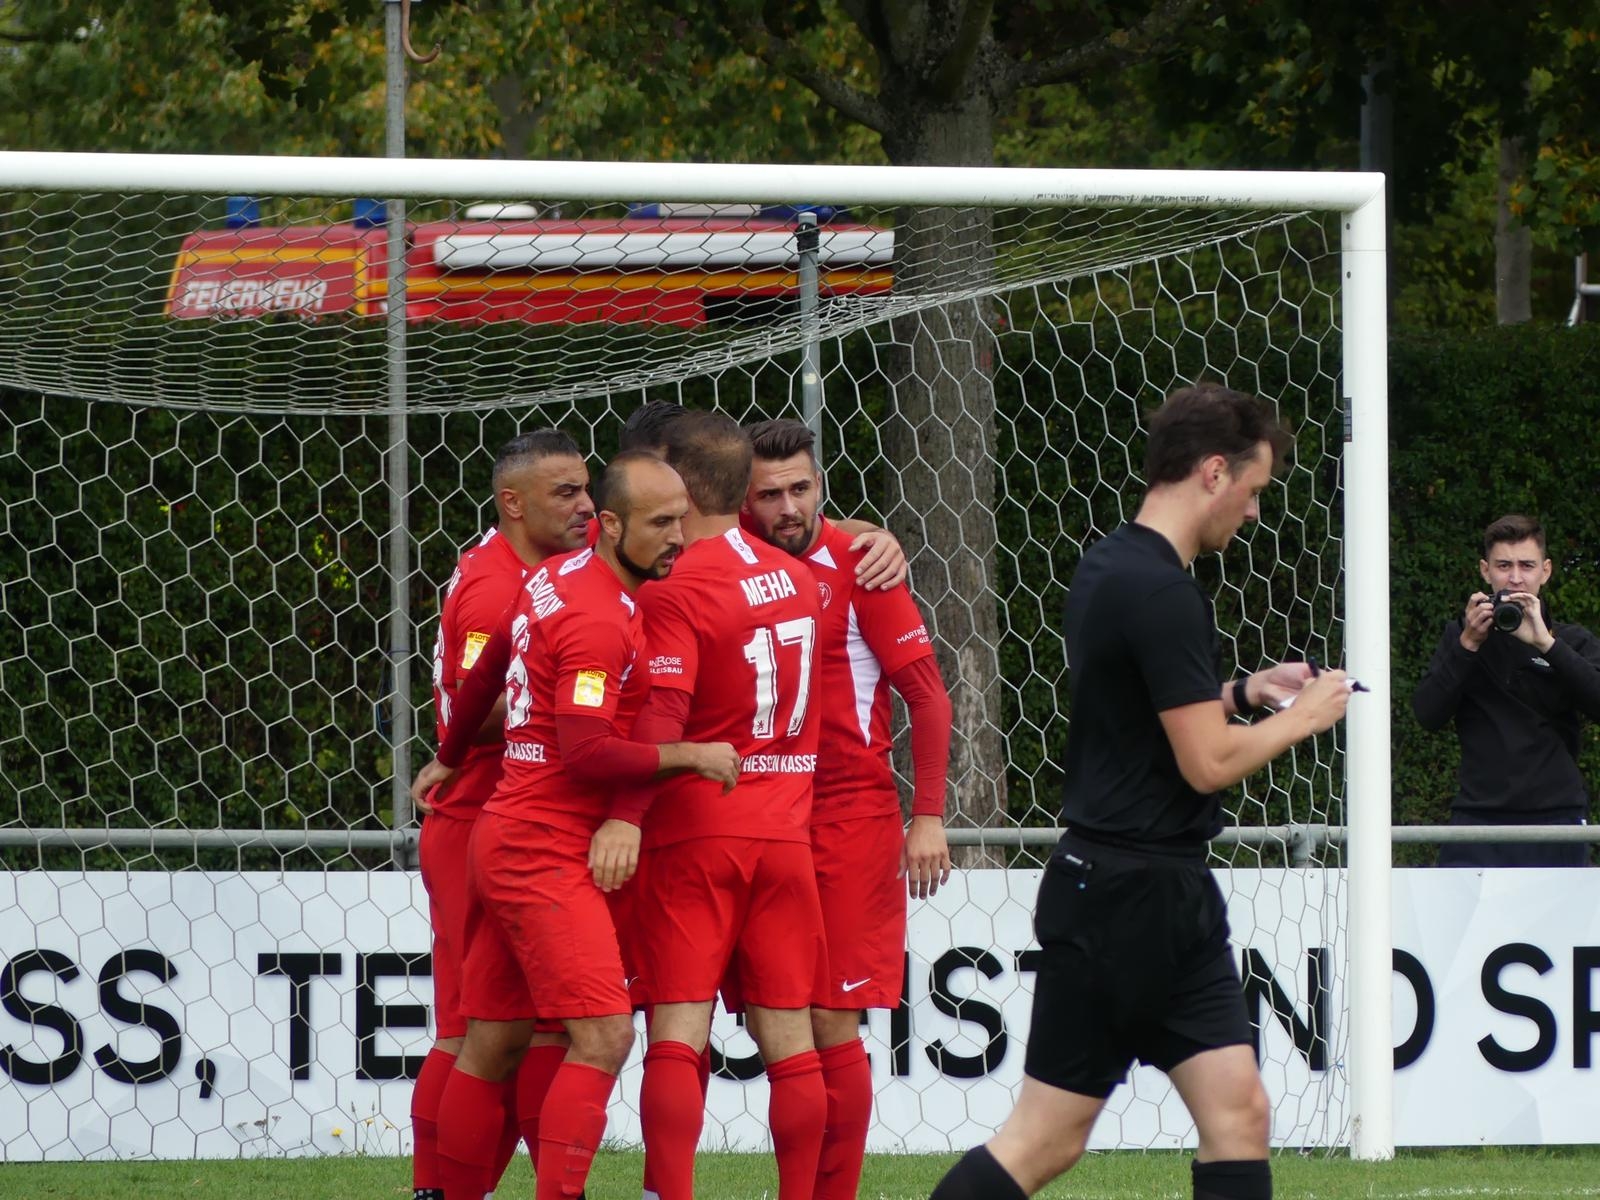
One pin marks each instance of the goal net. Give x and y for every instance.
(245, 433)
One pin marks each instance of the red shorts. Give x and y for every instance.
(543, 941)
(712, 903)
(624, 905)
(442, 856)
(863, 899)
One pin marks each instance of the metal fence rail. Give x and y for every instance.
(1300, 843)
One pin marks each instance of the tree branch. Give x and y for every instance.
(1118, 48)
(784, 56)
(950, 79)
(869, 17)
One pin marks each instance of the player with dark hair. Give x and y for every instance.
(646, 426)
(1134, 960)
(543, 941)
(865, 859)
(541, 496)
(733, 657)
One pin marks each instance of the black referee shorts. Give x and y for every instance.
(1135, 965)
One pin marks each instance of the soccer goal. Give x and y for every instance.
(248, 408)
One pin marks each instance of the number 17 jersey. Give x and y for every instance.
(735, 626)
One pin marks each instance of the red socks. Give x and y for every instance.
(847, 1076)
(571, 1125)
(672, 1110)
(650, 1192)
(425, 1095)
(796, 1113)
(472, 1121)
(539, 1067)
(510, 1135)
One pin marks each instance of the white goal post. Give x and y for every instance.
(1070, 265)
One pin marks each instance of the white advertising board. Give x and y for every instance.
(201, 1015)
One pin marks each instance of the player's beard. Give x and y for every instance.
(794, 539)
(659, 570)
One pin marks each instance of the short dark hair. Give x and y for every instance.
(613, 494)
(781, 438)
(646, 427)
(1196, 422)
(713, 455)
(1512, 528)
(528, 448)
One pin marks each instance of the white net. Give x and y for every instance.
(199, 672)
(277, 307)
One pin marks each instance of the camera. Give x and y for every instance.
(1507, 613)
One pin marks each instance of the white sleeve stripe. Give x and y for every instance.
(865, 672)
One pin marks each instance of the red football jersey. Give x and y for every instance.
(486, 580)
(865, 636)
(735, 626)
(575, 637)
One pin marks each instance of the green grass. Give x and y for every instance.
(1498, 1172)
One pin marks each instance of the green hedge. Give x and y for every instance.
(1480, 424)
(166, 575)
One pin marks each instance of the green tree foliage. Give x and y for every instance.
(307, 77)
(1276, 83)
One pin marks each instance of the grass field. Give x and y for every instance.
(1529, 1172)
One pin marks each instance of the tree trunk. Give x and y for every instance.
(940, 439)
(1513, 241)
(517, 122)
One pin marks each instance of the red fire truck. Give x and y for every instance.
(657, 265)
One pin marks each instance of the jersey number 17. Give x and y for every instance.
(761, 653)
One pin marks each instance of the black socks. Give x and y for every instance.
(1245, 1179)
(978, 1177)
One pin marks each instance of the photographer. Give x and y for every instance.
(1518, 688)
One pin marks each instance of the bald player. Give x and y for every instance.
(730, 881)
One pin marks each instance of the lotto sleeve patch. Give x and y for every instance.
(589, 689)
(471, 648)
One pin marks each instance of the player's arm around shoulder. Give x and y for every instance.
(880, 558)
(1214, 753)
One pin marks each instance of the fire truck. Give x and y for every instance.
(682, 266)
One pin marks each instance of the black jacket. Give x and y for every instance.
(1518, 715)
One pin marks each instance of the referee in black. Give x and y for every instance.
(1135, 961)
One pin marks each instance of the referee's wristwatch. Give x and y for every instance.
(1241, 697)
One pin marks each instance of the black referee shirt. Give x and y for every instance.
(1141, 638)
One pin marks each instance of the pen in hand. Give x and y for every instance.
(1355, 684)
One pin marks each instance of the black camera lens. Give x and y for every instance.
(1507, 613)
